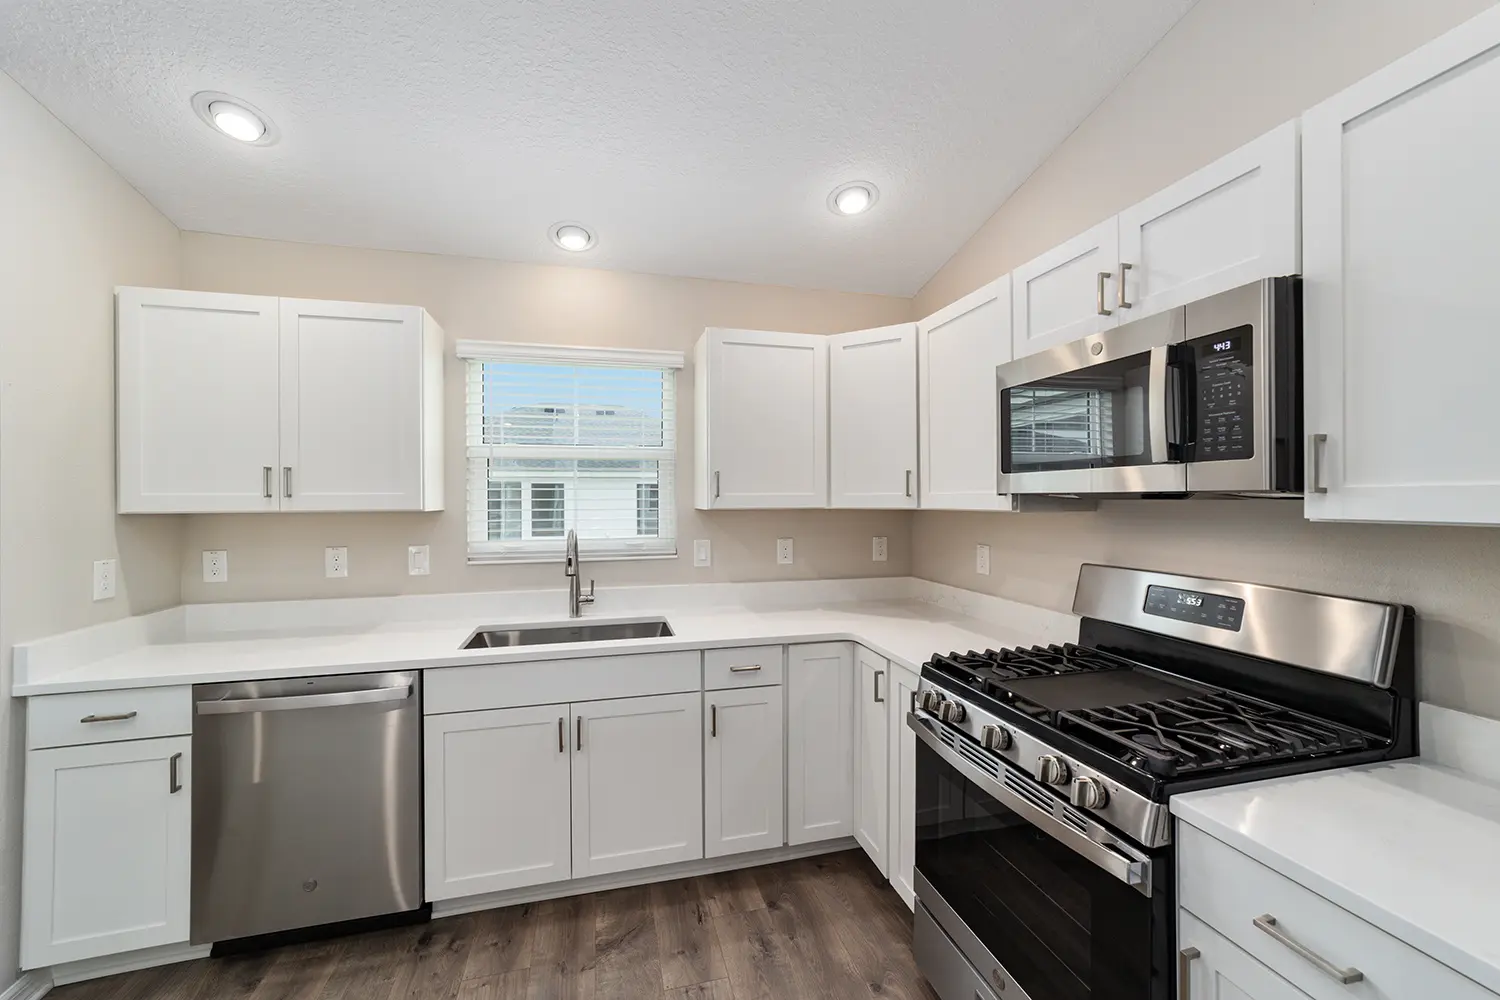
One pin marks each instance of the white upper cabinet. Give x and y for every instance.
(1231, 223)
(1068, 292)
(199, 411)
(1401, 304)
(243, 403)
(761, 402)
(958, 349)
(872, 734)
(358, 409)
(873, 417)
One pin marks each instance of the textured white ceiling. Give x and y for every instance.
(696, 137)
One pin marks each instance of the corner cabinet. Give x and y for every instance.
(242, 403)
(1399, 223)
(761, 412)
(820, 683)
(872, 406)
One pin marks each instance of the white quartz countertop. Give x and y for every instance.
(906, 632)
(1413, 847)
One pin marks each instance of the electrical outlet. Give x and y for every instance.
(216, 566)
(104, 579)
(784, 551)
(982, 560)
(336, 561)
(703, 552)
(878, 549)
(418, 560)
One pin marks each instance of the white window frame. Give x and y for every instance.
(484, 550)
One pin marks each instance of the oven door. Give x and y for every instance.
(1100, 415)
(1023, 887)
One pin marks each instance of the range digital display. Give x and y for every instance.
(1212, 610)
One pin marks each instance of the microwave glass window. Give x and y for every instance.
(1096, 418)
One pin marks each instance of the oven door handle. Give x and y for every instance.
(1113, 857)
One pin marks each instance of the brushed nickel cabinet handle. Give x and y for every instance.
(286, 480)
(1185, 959)
(1121, 302)
(1315, 444)
(745, 668)
(879, 675)
(265, 481)
(174, 784)
(580, 732)
(1267, 923)
(713, 720)
(562, 735)
(1099, 297)
(716, 486)
(122, 717)
(908, 482)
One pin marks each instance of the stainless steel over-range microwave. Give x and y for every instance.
(1202, 398)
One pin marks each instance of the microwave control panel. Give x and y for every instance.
(1224, 411)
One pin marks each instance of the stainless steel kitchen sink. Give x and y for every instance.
(494, 638)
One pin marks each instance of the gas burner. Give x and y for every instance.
(987, 670)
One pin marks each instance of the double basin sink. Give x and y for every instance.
(541, 635)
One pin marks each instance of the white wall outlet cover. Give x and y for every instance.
(215, 566)
(418, 560)
(784, 551)
(104, 579)
(703, 552)
(878, 548)
(336, 561)
(982, 560)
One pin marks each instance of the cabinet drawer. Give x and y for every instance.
(60, 720)
(742, 666)
(1229, 891)
(555, 682)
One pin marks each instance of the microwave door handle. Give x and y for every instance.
(1156, 402)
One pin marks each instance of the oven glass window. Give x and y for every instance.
(1063, 928)
(1094, 418)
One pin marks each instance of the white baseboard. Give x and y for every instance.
(130, 961)
(32, 985)
(645, 876)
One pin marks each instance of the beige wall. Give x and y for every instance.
(1229, 71)
(70, 230)
(281, 556)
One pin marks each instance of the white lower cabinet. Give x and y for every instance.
(903, 786)
(637, 783)
(498, 801)
(872, 737)
(744, 786)
(107, 834)
(820, 741)
(1217, 969)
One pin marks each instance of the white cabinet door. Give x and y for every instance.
(958, 349)
(762, 419)
(820, 742)
(637, 783)
(496, 800)
(106, 863)
(903, 793)
(872, 738)
(1401, 306)
(1231, 223)
(1218, 970)
(353, 406)
(197, 380)
(872, 442)
(744, 787)
(1071, 291)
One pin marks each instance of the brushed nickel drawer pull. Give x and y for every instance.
(122, 717)
(1185, 959)
(175, 785)
(747, 668)
(1267, 923)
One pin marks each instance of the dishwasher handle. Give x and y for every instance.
(282, 703)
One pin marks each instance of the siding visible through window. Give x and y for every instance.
(647, 509)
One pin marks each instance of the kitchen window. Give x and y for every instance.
(562, 438)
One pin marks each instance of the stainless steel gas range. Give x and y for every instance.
(1044, 839)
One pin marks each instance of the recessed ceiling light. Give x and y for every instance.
(853, 198)
(572, 237)
(235, 118)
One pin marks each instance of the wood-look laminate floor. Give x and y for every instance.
(827, 927)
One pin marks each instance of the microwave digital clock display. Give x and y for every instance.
(1212, 610)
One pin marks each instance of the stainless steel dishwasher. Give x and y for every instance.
(307, 803)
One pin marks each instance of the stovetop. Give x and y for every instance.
(1142, 719)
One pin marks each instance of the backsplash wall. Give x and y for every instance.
(1228, 72)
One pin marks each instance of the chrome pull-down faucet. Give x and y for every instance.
(576, 598)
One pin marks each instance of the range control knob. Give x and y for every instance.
(995, 738)
(1089, 793)
(1051, 770)
(930, 702)
(952, 712)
